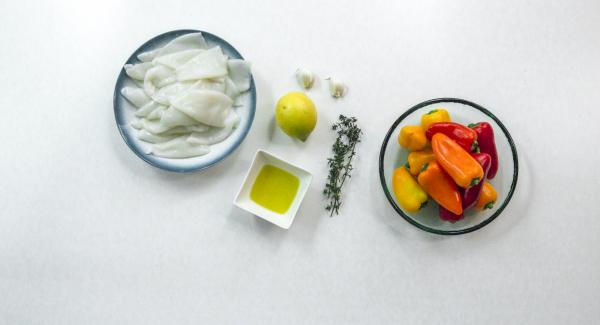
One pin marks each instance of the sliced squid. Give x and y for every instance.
(138, 71)
(205, 106)
(159, 76)
(147, 109)
(216, 135)
(138, 124)
(208, 64)
(217, 84)
(231, 89)
(185, 42)
(239, 72)
(177, 59)
(136, 96)
(148, 56)
(179, 130)
(179, 148)
(164, 94)
(144, 135)
(156, 113)
(173, 117)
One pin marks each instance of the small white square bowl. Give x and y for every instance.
(243, 201)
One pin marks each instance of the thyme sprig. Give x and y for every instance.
(340, 165)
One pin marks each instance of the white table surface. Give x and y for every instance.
(90, 234)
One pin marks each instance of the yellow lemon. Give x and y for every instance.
(296, 115)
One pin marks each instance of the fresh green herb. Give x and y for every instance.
(340, 165)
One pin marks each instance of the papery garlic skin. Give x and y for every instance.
(305, 78)
(337, 89)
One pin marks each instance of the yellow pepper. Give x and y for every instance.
(417, 159)
(409, 193)
(434, 116)
(412, 137)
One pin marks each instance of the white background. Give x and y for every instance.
(90, 234)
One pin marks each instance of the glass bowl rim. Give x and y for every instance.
(408, 218)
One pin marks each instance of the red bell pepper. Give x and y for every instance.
(471, 194)
(464, 136)
(485, 140)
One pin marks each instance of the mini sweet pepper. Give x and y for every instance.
(434, 116)
(409, 194)
(456, 161)
(464, 136)
(471, 195)
(417, 159)
(412, 137)
(486, 143)
(440, 187)
(487, 198)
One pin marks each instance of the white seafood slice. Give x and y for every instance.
(137, 71)
(239, 72)
(154, 126)
(173, 117)
(136, 96)
(158, 76)
(179, 148)
(174, 60)
(148, 56)
(164, 94)
(231, 89)
(181, 43)
(216, 135)
(217, 84)
(206, 106)
(147, 109)
(208, 64)
(144, 135)
(179, 130)
(156, 113)
(138, 124)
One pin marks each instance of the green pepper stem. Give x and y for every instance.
(474, 181)
(489, 205)
(424, 167)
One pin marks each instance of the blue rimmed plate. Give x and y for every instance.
(124, 111)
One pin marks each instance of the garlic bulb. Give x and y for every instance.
(337, 88)
(305, 78)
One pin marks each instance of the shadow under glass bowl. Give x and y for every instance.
(465, 112)
(124, 111)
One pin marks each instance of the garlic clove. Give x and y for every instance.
(337, 89)
(305, 78)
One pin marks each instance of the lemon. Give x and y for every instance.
(296, 115)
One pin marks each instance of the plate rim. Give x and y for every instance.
(173, 167)
(411, 220)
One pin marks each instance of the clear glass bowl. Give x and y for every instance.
(464, 112)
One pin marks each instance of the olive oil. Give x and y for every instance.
(274, 189)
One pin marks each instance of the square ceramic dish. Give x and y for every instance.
(243, 201)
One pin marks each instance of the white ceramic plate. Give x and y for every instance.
(124, 111)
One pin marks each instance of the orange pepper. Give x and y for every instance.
(487, 198)
(412, 137)
(456, 161)
(417, 159)
(440, 187)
